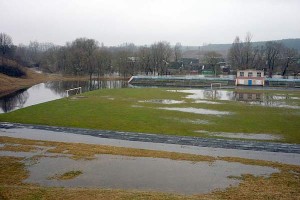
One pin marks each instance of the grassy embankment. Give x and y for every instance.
(282, 185)
(10, 84)
(124, 110)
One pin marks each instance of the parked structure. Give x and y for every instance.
(250, 77)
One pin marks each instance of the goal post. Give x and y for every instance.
(215, 84)
(77, 90)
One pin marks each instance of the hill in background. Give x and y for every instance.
(193, 51)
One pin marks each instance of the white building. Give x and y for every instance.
(250, 77)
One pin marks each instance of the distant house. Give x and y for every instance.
(250, 77)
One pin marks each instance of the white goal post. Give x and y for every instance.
(217, 84)
(78, 90)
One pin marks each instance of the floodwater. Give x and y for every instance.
(162, 101)
(253, 98)
(253, 136)
(206, 102)
(35, 134)
(201, 111)
(154, 174)
(50, 91)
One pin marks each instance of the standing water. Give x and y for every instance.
(50, 91)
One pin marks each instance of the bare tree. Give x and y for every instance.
(272, 54)
(247, 52)
(212, 58)
(243, 55)
(145, 60)
(161, 54)
(5, 44)
(235, 53)
(102, 62)
(83, 50)
(177, 51)
(289, 57)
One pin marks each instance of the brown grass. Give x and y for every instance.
(18, 148)
(10, 84)
(12, 171)
(283, 185)
(84, 193)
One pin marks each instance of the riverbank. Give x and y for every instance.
(10, 84)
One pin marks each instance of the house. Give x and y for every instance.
(250, 77)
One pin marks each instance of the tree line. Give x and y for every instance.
(85, 56)
(271, 57)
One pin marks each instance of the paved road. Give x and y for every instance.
(167, 139)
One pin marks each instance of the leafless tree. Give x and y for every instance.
(102, 61)
(289, 57)
(5, 44)
(272, 54)
(161, 54)
(243, 55)
(177, 51)
(146, 60)
(235, 53)
(212, 59)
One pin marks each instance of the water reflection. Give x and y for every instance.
(50, 91)
(123, 172)
(266, 99)
(208, 94)
(254, 98)
(60, 87)
(14, 100)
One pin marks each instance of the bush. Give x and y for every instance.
(11, 71)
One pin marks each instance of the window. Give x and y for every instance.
(241, 73)
(250, 74)
(258, 74)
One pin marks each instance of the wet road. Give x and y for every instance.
(166, 139)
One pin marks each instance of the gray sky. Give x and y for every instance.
(113, 22)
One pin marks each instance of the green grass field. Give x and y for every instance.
(126, 110)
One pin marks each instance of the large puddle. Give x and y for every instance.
(201, 111)
(50, 91)
(246, 96)
(162, 101)
(155, 174)
(253, 136)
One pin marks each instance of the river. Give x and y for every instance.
(50, 91)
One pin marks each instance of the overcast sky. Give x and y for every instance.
(113, 22)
